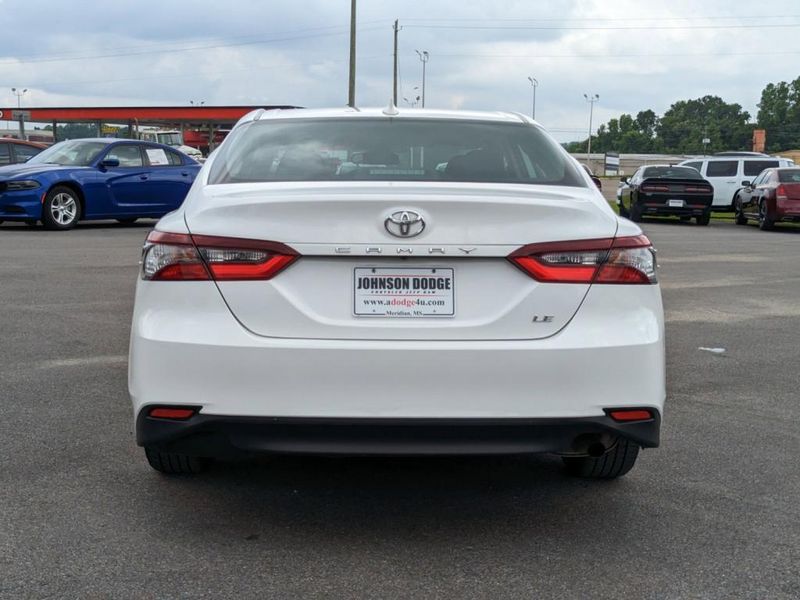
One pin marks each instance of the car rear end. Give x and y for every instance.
(376, 302)
(787, 195)
(675, 197)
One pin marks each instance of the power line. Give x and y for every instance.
(628, 55)
(604, 19)
(184, 49)
(633, 28)
(215, 73)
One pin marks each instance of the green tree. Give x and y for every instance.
(779, 114)
(682, 128)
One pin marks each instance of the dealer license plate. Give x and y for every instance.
(676, 203)
(400, 292)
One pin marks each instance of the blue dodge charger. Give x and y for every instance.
(95, 179)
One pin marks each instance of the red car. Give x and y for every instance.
(771, 197)
(14, 151)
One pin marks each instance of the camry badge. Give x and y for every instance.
(404, 223)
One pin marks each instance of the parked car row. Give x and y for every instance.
(13, 151)
(96, 178)
(692, 189)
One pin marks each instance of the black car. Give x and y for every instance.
(664, 190)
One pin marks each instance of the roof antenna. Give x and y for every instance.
(391, 110)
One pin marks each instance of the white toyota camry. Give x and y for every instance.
(396, 282)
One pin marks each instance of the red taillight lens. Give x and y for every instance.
(697, 189)
(173, 256)
(780, 193)
(166, 412)
(654, 188)
(619, 260)
(630, 414)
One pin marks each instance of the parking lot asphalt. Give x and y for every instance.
(713, 513)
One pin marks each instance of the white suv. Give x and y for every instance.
(328, 286)
(728, 172)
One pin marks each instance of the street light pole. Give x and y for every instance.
(424, 57)
(19, 94)
(534, 85)
(351, 89)
(591, 99)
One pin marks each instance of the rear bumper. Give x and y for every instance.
(692, 210)
(787, 210)
(187, 350)
(217, 436)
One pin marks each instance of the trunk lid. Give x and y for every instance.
(341, 233)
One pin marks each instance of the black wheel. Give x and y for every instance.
(704, 219)
(61, 208)
(738, 214)
(127, 221)
(764, 221)
(635, 213)
(175, 464)
(614, 463)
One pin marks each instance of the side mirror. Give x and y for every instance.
(625, 180)
(746, 184)
(597, 182)
(109, 163)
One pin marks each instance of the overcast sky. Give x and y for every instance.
(635, 54)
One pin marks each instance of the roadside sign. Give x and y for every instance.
(612, 163)
(21, 115)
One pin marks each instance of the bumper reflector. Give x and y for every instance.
(177, 414)
(630, 414)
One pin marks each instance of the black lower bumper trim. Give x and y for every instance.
(212, 435)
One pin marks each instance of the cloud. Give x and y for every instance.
(255, 52)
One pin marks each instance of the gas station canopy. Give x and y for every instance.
(140, 115)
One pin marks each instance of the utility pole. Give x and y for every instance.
(424, 57)
(351, 90)
(591, 100)
(534, 85)
(396, 28)
(19, 94)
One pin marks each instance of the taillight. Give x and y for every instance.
(694, 189)
(649, 188)
(618, 260)
(183, 257)
(780, 193)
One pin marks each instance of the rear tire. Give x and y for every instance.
(635, 213)
(175, 464)
(614, 463)
(704, 219)
(764, 222)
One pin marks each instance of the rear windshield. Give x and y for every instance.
(671, 173)
(789, 175)
(392, 150)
